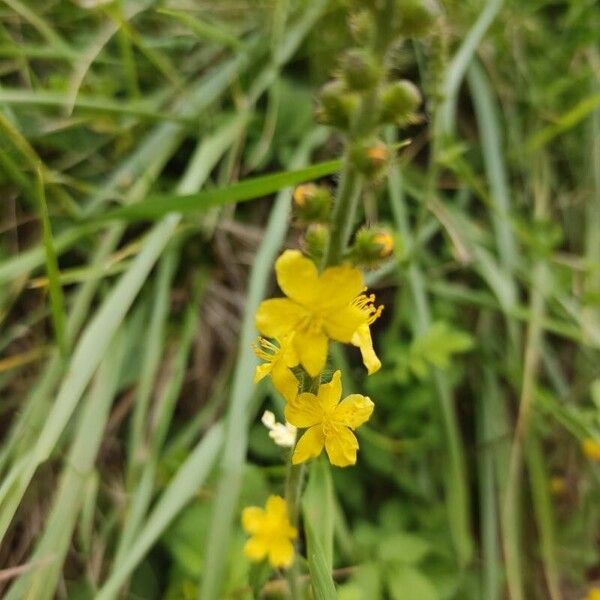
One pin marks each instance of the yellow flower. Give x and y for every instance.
(591, 448)
(318, 308)
(279, 360)
(593, 594)
(329, 422)
(271, 532)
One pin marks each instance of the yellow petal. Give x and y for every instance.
(309, 445)
(252, 519)
(281, 553)
(297, 277)
(304, 410)
(256, 548)
(341, 446)
(278, 317)
(354, 410)
(339, 286)
(276, 507)
(341, 323)
(312, 351)
(262, 371)
(330, 393)
(362, 339)
(288, 352)
(285, 381)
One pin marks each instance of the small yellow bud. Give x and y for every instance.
(378, 154)
(386, 241)
(371, 246)
(370, 157)
(591, 448)
(312, 203)
(303, 191)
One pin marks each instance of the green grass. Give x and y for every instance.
(148, 152)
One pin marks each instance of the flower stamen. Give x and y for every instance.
(366, 303)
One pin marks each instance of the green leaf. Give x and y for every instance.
(407, 582)
(366, 582)
(403, 547)
(319, 506)
(320, 575)
(436, 347)
(249, 189)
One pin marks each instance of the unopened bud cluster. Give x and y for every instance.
(363, 97)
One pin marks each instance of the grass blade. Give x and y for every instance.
(248, 189)
(181, 489)
(53, 545)
(57, 300)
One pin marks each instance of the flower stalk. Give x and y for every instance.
(324, 294)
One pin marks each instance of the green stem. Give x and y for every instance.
(344, 212)
(293, 491)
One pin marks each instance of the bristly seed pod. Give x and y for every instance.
(360, 70)
(316, 240)
(399, 101)
(416, 17)
(336, 105)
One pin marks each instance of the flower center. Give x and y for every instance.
(330, 426)
(312, 323)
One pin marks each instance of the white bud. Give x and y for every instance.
(282, 434)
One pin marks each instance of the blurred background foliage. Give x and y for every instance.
(125, 358)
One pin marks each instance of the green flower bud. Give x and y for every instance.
(399, 101)
(416, 17)
(316, 241)
(372, 245)
(312, 203)
(369, 157)
(337, 105)
(360, 69)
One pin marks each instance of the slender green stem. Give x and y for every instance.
(293, 491)
(344, 212)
